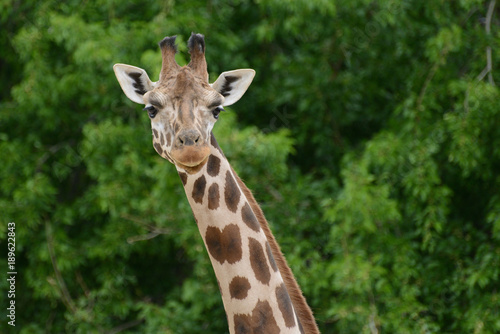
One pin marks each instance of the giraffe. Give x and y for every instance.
(258, 289)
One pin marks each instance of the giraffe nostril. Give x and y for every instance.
(188, 138)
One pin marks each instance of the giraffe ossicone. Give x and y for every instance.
(259, 292)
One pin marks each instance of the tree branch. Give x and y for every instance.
(86, 290)
(489, 64)
(430, 76)
(66, 297)
(154, 231)
(125, 326)
(51, 150)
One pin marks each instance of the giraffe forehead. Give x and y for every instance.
(183, 89)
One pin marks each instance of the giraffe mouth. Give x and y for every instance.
(190, 156)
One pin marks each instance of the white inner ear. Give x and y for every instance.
(134, 81)
(233, 84)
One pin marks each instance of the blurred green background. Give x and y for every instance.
(370, 136)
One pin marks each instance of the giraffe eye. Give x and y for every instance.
(217, 111)
(152, 111)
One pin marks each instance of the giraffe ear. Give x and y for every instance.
(233, 84)
(134, 81)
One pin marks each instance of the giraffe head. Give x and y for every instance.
(182, 105)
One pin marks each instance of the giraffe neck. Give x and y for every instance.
(254, 294)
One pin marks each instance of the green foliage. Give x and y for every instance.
(369, 136)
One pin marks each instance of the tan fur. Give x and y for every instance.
(303, 310)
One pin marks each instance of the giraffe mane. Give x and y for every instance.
(304, 312)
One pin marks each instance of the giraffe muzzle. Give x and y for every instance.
(190, 156)
(190, 149)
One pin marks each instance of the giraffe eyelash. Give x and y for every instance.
(217, 111)
(152, 111)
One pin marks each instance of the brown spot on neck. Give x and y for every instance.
(231, 193)
(183, 177)
(213, 197)
(258, 261)
(271, 257)
(285, 305)
(238, 288)
(213, 165)
(249, 218)
(214, 143)
(261, 320)
(224, 245)
(199, 189)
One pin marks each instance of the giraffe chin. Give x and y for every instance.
(191, 158)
